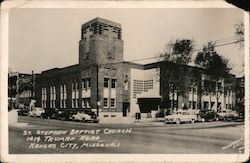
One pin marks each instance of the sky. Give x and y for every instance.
(41, 39)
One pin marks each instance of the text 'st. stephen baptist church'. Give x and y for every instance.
(111, 87)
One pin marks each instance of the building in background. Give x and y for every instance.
(240, 94)
(20, 89)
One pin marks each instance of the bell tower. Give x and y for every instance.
(100, 43)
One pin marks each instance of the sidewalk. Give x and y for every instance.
(160, 123)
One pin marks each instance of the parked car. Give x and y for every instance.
(85, 116)
(36, 112)
(180, 116)
(66, 114)
(207, 115)
(50, 113)
(23, 111)
(227, 114)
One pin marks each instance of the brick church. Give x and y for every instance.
(109, 86)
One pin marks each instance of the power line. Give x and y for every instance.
(219, 41)
(198, 49)
(155, 57)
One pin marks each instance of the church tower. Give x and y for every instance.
(100, 45)
(101, 42)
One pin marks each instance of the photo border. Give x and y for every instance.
(8, 5)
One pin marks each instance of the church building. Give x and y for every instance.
(111, 87)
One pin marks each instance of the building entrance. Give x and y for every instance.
(125, 109)
(148, 104)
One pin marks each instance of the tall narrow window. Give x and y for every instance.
(44, 97)
(85, 102)
(75, 94)
(88, 82)
(63, 97)
(84, 84)
(52, 96)
(112, 102)
(106, 82)
(113, 83)
(105, 102)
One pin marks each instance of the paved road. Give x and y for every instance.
(128, 138)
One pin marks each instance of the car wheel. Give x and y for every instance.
(202, 119)
(177, 121)
(217, 118)
(192, 121)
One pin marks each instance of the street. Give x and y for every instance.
(41, 136)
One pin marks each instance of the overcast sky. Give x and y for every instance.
(41, 39)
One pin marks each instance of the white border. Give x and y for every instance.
(8, 5)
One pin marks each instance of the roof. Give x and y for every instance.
(101, 20)
(72, 67)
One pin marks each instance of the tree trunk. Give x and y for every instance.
(192, 103)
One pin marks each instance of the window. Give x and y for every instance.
(105, 102)
(77, 85)
(85, 102)
(190, 89)
(73, 86)
(106, 82)
(194, 105)
(85, 83)
(75, 94)
(88, 81)
(113, 83)
(77, 103)
(63, 96)
(190, 104)
(73, 103)
(219, 86)
(185, 113)
(52, 96)
(112, 102)
(44, 97)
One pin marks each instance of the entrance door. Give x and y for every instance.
(125, 108)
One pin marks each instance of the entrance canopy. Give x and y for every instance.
(146, 104)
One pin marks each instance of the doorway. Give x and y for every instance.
(125, 109)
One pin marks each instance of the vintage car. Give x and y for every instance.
(180, 116)
(50, 113)
(208, 115)
(85, 116)
(66, 114)
(36, 112)
(24, 111)
(226, 114)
